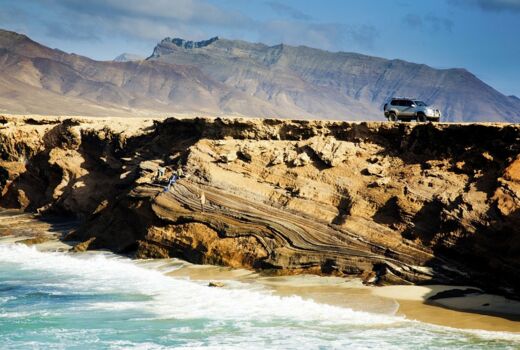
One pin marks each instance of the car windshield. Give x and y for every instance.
(420, 103)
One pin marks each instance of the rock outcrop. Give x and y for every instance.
(185, 44)
(390, 203)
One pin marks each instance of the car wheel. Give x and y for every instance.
(392, 117)
(421, 118)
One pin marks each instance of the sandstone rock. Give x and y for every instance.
(150, 165)
(216, 284)
(487, 156)
(374, 170)
(302, 159)
(246, 154)
(507, 196)
(369, 278)
(277, 158)
(83, 246)
(35, 240)
(512, 172)
(147, 250)
(414, 213)
(374, 160)
(329, 150)
(201, 244)
(63, 135)
(229, 157)
(22, 200)
(460, 167)
(5, 231)
(381, 182)
(289, 155)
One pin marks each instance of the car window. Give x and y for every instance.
(395, 103)
(407, 103)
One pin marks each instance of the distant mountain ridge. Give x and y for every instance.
(222, 77)
(306, 80)
(127, 57)
(188, 44)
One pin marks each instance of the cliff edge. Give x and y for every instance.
(391, 203)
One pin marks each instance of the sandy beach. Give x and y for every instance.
(500, 314)
(467, 312)
(474, 311)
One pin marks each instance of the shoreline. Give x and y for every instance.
(411, 302)
(400, 300)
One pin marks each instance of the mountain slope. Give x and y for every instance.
(36, 79)
(220, 76)
(347, 84)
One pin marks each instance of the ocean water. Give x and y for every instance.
(102, 301)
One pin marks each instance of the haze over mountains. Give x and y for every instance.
(125, 57)
(223, 77)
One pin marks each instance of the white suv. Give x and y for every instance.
(408, 109)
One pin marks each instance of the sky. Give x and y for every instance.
(482, 36)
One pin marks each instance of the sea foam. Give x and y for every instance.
(176, 298)
(129, 306)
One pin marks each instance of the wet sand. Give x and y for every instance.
(409, 301)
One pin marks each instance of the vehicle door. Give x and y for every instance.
(397, 106)
(407, 109)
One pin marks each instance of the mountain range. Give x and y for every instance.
(230, 77)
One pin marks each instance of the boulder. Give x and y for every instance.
(216, 284)
(150, 165)
(229, 157)
(373, 170)
(331, 151)
(277, 158)
(301, 160)
(83, 246)
(246, 154)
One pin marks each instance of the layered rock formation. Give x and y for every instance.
(396, 203)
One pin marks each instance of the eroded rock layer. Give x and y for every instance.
(396, 203)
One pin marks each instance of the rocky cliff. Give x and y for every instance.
(394, 203)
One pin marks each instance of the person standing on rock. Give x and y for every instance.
(173, 179)
(202, 200)
(160, 173)
(180, 173)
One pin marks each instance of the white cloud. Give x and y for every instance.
(150, 21)
(329, 36)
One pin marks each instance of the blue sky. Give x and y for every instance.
(482, 36)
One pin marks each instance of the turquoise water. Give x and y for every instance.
(101, 301)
